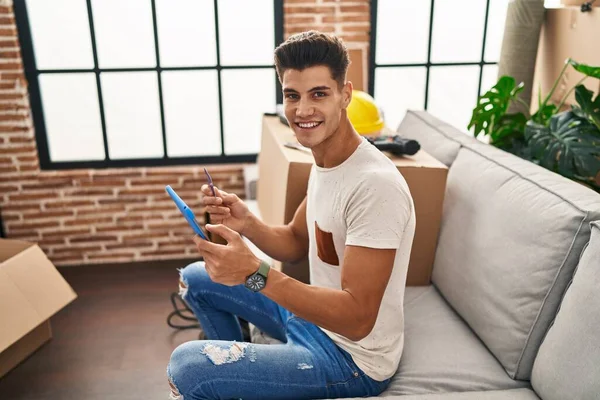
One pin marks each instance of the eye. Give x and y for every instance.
(320, 94)
(291, 96)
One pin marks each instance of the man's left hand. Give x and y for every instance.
(227, 264)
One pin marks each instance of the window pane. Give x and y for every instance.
(191, 101)
(242, 118)
(402, 31)
(398, 90)
(60, 30)
(489, 77)
(495, 30)
(72, 116)
(246, 32)
(124, 33)
(186, 33)
(457, 30)
(132, 114)
(453, 94)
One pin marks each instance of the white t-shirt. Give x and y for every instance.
(366, 202)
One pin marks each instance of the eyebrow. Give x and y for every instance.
(316, 88)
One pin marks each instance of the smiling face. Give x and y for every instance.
(314, 103)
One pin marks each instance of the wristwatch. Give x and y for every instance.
(258, 280)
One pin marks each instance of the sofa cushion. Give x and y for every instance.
(513, 394)
(441, 354)
(435, 136)
(510, 238)
(568, 363)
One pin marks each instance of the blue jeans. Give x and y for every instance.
(308, 365)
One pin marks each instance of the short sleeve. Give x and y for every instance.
(378, 211)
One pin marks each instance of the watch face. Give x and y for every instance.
(255, 283)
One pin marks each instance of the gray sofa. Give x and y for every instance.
(513, 311)
(514, 308)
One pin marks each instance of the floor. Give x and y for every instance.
(111, 343)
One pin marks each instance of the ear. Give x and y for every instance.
(347, 94)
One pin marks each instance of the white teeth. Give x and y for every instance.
(308, 125)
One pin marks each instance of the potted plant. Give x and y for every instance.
(564, 141)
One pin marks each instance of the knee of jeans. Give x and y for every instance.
(192, 276)
(175, 393)
(191, 367)
(182, 359)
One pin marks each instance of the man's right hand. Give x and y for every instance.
(226, 208)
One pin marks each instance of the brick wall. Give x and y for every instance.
(348, 19)
(117, 215)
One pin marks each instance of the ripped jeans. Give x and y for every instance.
(308, 365)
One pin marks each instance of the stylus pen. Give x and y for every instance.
(210, 182)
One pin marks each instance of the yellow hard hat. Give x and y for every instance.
(364, 114)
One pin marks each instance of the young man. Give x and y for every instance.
(343, 333)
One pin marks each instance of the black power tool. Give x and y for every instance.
(396, 145)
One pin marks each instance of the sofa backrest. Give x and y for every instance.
(568, 363)
(511, 235)
(438, 138)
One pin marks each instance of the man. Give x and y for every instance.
(343, 334)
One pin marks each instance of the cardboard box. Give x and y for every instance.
(358, 65)
(31, 291)
(566, 33)
(283, 180)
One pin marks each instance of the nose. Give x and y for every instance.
(304, 109)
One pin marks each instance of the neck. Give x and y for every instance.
(338, 147)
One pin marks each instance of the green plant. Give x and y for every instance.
(566, 142)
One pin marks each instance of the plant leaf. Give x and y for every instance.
(543, 115)
(493, 105)
(509, 125)
(587, 70)
(569, 145)
(591, 108)
(509, 135)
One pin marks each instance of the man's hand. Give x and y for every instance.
(226, 209)
(227, 264)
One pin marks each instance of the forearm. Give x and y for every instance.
(334, 310)
(278, 242)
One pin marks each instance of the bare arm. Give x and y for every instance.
(350, 312)
(283, 243)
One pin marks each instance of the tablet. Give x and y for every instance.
(188, 214)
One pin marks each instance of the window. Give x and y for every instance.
(118, 83)
(436, 55)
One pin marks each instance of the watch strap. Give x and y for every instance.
(264, 269)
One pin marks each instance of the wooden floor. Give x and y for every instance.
(111, 343)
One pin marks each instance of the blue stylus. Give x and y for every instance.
(187, 212)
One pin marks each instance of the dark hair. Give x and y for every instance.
(310, 49)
